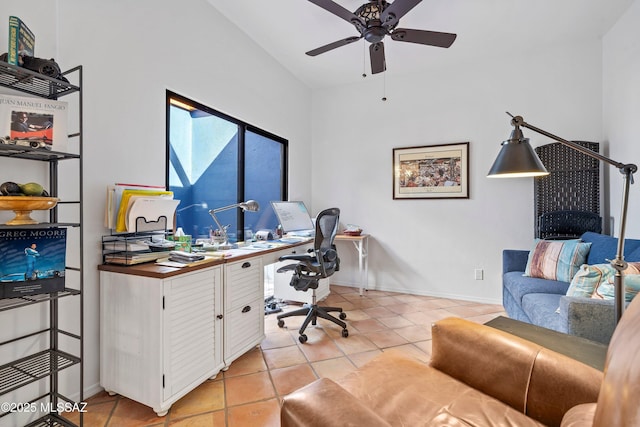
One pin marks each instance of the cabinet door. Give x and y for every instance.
(192, 333)
(244, 307)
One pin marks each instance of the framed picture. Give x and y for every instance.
(431, 172)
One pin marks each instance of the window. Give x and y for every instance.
(213, 161)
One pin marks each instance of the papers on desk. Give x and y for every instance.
(126, 203)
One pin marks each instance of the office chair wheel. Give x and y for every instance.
(345, 333)
(343, 316)
(303, 338)
(281, 323)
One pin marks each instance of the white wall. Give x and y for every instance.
(432, 247)
(621, 109)
(131, 53)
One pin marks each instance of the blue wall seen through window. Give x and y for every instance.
(216, 161)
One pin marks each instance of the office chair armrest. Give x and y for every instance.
(324, 403)
(296, 257)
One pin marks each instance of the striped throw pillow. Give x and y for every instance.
(556, 259)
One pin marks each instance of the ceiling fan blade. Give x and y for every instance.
(339, 11)
(396, 10)
(330, 46)
(376, 53)
(431, 38)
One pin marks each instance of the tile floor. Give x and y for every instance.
(249, 392)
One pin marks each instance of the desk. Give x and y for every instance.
(581, 349)
(361, 243)
(166, 330)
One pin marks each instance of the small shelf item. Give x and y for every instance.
(22, 206)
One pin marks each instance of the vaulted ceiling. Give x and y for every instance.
(286, 29)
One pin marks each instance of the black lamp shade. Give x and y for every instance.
(517, 159)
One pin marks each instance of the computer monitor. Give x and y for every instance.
(293, 217)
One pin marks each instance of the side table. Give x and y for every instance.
(589, 352)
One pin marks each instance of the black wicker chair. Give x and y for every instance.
(567, 201)
(568, 224)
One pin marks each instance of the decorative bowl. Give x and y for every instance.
(23, 205)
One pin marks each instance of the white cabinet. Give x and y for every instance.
(160, 337)
(244, 307)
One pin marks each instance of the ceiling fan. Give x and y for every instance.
(374, 21)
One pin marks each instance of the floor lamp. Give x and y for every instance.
(517, 159)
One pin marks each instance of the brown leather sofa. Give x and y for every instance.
(480, 376)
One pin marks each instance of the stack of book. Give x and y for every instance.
(129, 252)
(185, 257)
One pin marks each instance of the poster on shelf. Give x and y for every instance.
(32, 261)
(33, 122)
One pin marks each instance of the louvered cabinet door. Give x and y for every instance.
(193, 330)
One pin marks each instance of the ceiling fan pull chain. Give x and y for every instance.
(364, 59)
(384, 87)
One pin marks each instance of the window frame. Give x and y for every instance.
(243, 128)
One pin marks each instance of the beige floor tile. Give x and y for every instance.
(367, 325)
(283, 357)
(207, 397)
(359, 359)
(334, 368)
(414, 333)
(321, 348)
(248, 363)
(249, 388)
(277, 339)
(133, 414)
(355, 343)
(379, 312)
(287, 380)
(387, 338)
(263, 414)
(396, 321)
(209, 419)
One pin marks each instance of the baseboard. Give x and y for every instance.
(421, 293)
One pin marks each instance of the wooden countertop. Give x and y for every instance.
(152, 269)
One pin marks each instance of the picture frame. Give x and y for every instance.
(431, 172)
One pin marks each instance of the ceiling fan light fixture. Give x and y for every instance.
(370, 11)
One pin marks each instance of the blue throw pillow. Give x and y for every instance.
(604, 248)
(556, 259)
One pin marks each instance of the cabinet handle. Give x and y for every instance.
(246, 309)
(246, 265)
(219, 316)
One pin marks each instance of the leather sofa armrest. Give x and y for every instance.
(514, 260)
(324, 403)
(579, 416)
(536, 381)
(593, 319)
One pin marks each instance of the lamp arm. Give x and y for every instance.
(212, 212)
(519, 121)
(224, 208)
(619, 264)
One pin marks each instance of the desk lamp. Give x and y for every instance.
(517, 159)
(249, 205)
(203, 205)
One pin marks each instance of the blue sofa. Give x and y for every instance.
(536, 301)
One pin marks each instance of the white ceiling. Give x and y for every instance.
(286, 29)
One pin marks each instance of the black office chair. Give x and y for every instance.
(319, 264)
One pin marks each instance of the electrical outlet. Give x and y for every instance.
(479, 274)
